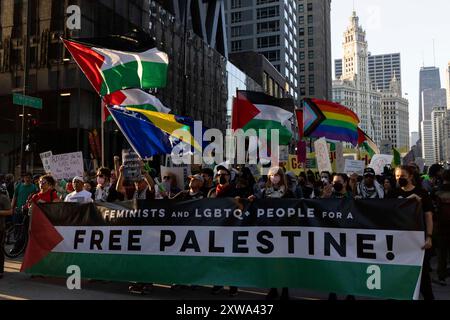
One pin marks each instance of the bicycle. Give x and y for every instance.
(16, 238)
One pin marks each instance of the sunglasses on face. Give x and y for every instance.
(222, 175)
(167, 177)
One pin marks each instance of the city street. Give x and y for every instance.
(20, 286)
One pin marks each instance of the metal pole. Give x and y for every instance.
(21, 136)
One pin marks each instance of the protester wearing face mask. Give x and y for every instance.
(406, 189)
(224, 189)
(276, 187)
(105, 191)
(369, 188)
(338, 189)
(293, 185)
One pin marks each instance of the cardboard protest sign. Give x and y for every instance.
(67, 165)
(322, 155)
(379, 161)
(46, 161)
(354, 166)
(131, 165)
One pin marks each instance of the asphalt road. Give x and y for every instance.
(20, 286)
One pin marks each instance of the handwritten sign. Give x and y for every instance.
(340, 161)
(379, 161)
(322, 155)
(354, 166)
(67, 165)
(131, 165)
(46, 158)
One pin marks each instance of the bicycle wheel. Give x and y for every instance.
(16, 240)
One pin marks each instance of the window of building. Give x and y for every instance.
(310, 31)
(236, 45)
(235, 4)
(310, 19)
(269, 26)
(311, 54)
(235, 17)
(301, 43)
(270, 41)
(302, 79)
(311, 79)
(302, 55)
(236, 31)
(302, 67)
(263, 13)
(301, 8)
(310, 42)
(310, 6)
(273, 55)
(302, 91)
(311, 66)
(301, 20)
(301, 31)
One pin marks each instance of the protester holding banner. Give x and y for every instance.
(208, 178)
(405, 179)
(105, 190)
(47, 191)
(144, 186)
(194, 192)
(5, 210)
(369, 188)
(276, 186)
(388, 186)
(442, 200)
(337, 190)
(79, 195)
(292, 183)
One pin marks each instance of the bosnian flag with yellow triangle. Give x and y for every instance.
(111, 70)
(257, 110)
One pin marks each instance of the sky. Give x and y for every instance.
(405, 26)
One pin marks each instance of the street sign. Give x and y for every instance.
(28, 101)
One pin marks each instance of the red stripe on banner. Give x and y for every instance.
(43, 238)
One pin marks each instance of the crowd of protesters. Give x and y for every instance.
(432, 190)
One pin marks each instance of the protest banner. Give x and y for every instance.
(67, 165)
(379, 161)
(131, 165)
(46, 161)
(366, 248)
(354, 166)
(322, 155)
(293, 164)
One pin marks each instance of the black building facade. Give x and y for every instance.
(30, 48)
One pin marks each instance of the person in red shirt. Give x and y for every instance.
(47, 192)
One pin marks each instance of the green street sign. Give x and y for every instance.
(28, 101)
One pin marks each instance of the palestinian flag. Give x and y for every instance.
(110, 70)
(133, 98)
(257, 110)
(367, 143)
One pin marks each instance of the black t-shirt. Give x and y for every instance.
(427, 204)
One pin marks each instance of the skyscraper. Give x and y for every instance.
(428, 79)
(353, 88)
(295, 36)
(314, 48)
(382, 68)
(269, 28)
(447, 87)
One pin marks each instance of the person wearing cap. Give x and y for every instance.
(292, 183)
(369, 187)
(195, 185)
(79, 195)
(224, 189)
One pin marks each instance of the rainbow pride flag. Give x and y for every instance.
(331, 120)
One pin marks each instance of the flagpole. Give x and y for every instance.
(103, 133)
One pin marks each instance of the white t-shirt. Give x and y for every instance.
(80, 197)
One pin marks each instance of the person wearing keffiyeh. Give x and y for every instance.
(369, 188)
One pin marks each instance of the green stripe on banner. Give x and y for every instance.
(285, 134)
(154, 75)
(396, 281)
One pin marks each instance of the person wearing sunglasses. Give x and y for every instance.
(169, 183)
